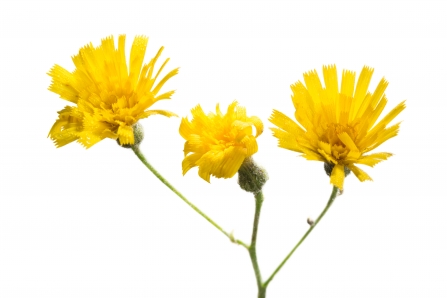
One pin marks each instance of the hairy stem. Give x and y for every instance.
(252, 249)
(140, 155)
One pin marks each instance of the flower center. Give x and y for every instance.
(334, 129)
(225, 137)
(330, 136)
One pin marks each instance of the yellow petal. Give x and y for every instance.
(166, 95)
(151, 68)
(234, 156)
(314, 87)
(222, 164)
(198, 114)
(67, 127)
(388, 118)
(309, 155)
(345, 107)
(329, 111)
(285, 123)
(205, 163)
(359, 173)
(346, 139)
(325, 146)
(65, 135)
(122, 65)
(216, 164)
(208, 164)
(331, 82)
(186, 128)
(136, 58)
(338, 176)
(377, 111)
(286, 140)
(374, 99)
(241, 125)
(303, 103)
(125, 135)
(257, 123)
(240, 113)
(382, 137)
(107, 133)
(190, 161)
(218, 111)
(157, 112)
(164, 80)
(361, 90)
(348, 83)
(327, 157)
(353, 155)
(154, 60)
(371, 117)
(63, 83)
(194, 144)
(250, 144)
(373, 159)
(89, 138)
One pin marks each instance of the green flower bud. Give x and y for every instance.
(252, 177)
(138, 135)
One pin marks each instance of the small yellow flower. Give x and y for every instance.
(109, 96)
(336, 126)
(219, 143)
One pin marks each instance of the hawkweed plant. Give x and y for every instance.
(336, 124)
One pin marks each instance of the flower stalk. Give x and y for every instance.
(328, 205)
(252, 249)
(140, 155)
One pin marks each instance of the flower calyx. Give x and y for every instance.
(252, 177)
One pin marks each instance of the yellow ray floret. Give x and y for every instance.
(219, 143)
(110, 96)
(337, 124)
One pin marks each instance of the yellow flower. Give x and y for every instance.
(110, 97)
(219, 143)
(338, 126)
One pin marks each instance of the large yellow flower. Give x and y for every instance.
(219, 143)
(338, 126)
(109, 97)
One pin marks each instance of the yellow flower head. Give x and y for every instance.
(338, 126)
(219, 143)
(109, 96)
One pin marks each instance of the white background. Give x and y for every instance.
(97, 223)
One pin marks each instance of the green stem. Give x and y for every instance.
(140, 155)
(252, 249)
(329, 203)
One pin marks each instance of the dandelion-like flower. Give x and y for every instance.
(338, 126)
(110, 97)
(219, 143)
